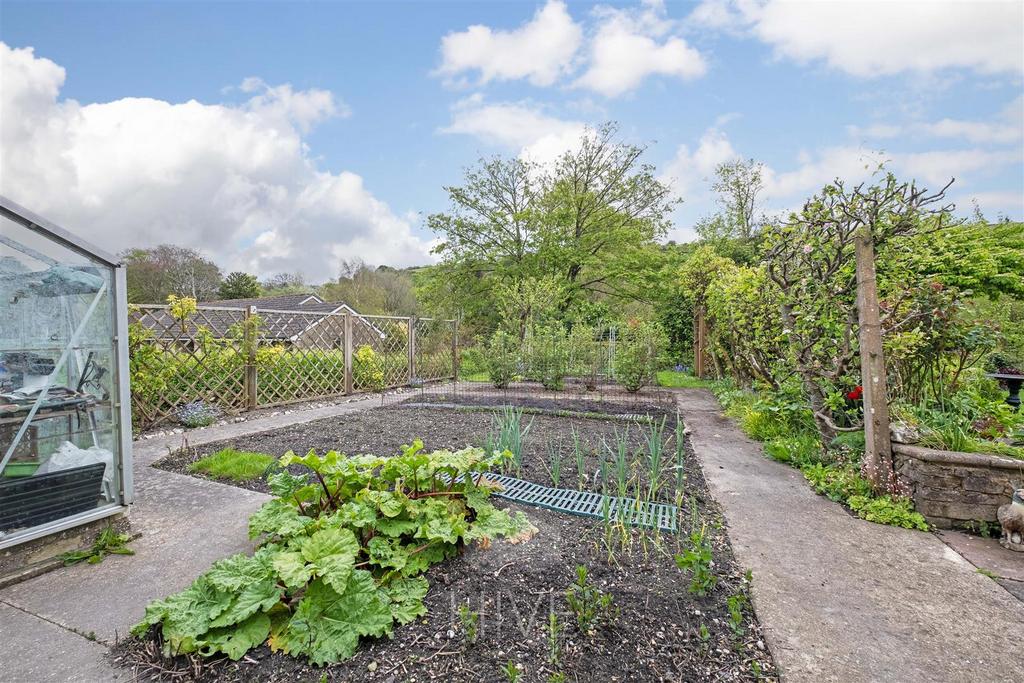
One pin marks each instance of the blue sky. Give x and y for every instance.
(290, 136)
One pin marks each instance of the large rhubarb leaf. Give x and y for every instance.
(406, 597)
(278, 518)
(326, 625)
(332, 554)
(235, 641)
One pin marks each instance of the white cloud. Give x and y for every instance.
(787, 187)
(305, 108)
(938, 167)
(631, 45)
(541, 50)
(624, 47)
(520, 126)
(234, 181)
(882, 38)
(1008, 127)
(686, 171)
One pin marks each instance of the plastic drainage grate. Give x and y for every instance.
(586, 504)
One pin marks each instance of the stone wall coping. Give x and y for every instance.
(958, 457)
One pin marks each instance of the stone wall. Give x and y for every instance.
(954, 489)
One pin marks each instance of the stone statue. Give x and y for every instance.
(1011, 516)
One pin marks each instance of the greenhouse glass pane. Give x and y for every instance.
(59, 422)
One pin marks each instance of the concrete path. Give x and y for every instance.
(56, 627)
(842, 599)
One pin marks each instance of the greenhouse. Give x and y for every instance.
(65, 426)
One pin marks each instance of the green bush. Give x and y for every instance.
(638, 355)
(838, 482)
(502, 360)
(341, 556)
(549, 356)
(367, 369)
(885, 510)
(801, 450)
(472, 362)
(585, 355)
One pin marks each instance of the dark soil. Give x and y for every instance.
(655, 634)
(605, 398)
(383, 431)
(659, 630)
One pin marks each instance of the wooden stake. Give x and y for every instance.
(251, 380)
(878, 464)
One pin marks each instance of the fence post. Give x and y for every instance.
(700, 330)
(348, 353)
(878, 464)
(251, 381)
(411, 337)
(455, 350)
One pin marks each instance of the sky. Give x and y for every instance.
(286, 137)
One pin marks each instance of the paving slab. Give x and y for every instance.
(36, 651)
(987, 554)
(842, 599)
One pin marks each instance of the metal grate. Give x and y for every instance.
(642, 514)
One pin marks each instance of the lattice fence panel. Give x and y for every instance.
(175, 362)
(300, 356)
(388, 365)
(434, 353)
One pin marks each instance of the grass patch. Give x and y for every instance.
(681, 380)
(233, 464)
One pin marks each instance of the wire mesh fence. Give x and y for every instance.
(591, 369)
(244, 359)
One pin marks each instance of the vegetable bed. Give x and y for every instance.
(651, 607)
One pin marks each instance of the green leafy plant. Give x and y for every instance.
(588, 602)
(340, 556)
(502, 358)
(696, 560)
(554, 644)
(887, 510)
(512, 671)
(554, 463)
(108, 542)
(585, 352)
(735, 604)
(368, 369)
(621, 456)
(655, 454)
(229, 463)
(469, 620)
(580, 457)
(508, 434)
(837, 482)
(638, 354)
(549, 356)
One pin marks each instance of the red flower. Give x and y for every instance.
(856, 394)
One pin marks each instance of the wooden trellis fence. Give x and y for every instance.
(243, 359)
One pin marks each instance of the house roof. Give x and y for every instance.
(284, 317)
(284, 302)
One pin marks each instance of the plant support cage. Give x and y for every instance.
(65, 422)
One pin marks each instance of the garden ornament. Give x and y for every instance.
(1011, 516)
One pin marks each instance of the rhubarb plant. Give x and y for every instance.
(341, 553)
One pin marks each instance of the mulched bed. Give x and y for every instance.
(660, 632)
(607, 398)
(383, 431)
